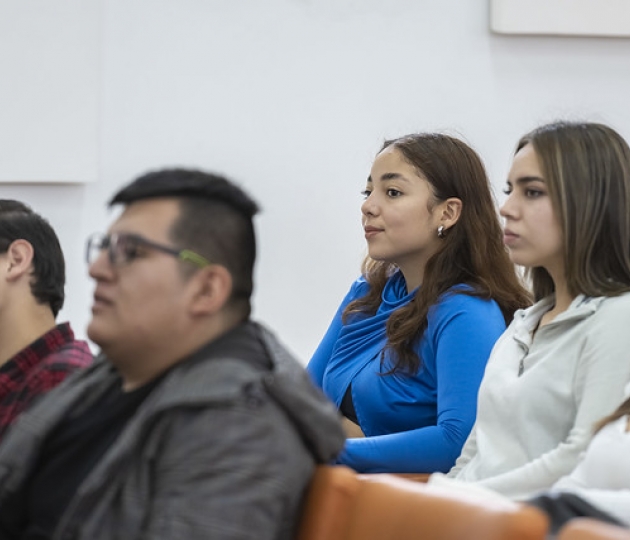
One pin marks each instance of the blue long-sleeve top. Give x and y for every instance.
(417, 422)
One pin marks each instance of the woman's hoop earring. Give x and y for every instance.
(440, 231)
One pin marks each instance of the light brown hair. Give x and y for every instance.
(622, 410)
(586, 167)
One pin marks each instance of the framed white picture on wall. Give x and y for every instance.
(49, 90)
(561, 17)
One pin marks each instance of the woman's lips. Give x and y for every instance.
(370, 232)
(509, 237)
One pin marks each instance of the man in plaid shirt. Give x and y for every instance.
(36, 354)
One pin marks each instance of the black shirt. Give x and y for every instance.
(71, 452)
(347, 406)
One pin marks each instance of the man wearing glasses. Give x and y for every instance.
(36, 353)
(194, 423)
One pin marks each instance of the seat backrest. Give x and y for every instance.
(328, 505)
(590, 529)
(392, 508)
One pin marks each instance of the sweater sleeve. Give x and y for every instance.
(468, 451)
(465, 330)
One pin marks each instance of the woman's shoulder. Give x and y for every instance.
(603, 320)
(461, 297)
(459, 307)
(359, 288)
(360, 285)
(609, 316)
(614, 304)
(464, 294)
(602, 310)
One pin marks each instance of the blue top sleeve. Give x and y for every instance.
(462, 332)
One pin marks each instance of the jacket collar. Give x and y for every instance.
(526, 320)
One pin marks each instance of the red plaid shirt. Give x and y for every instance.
(38, 368)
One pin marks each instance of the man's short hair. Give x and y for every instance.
(19, 222)
(215, 220)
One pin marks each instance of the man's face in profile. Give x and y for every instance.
(140, 300)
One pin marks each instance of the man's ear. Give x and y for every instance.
(19, 259)
(451, 212)
(212, 289)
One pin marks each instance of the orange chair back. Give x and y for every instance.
(328, 505)
(341, 505)
(391, 508)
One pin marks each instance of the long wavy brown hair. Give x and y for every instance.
(472, 251)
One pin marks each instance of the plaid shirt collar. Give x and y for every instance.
(43, 346)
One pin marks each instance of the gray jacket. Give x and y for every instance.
(222, 448)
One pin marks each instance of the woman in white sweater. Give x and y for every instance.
(563, 363)
(602, 477)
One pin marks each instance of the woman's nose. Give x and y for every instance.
(368, 208)
(507, 208)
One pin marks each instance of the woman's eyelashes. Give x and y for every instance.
(529, 192)
(392, 193)
(533, 193)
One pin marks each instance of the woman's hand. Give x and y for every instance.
(353, 431)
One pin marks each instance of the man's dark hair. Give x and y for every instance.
(19, 222)
(215, 220)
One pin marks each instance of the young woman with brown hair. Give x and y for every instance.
(563, 363)
(405, 353)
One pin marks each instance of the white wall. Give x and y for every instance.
(49, 91)
(292, 98)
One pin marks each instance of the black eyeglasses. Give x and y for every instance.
(123, 248)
